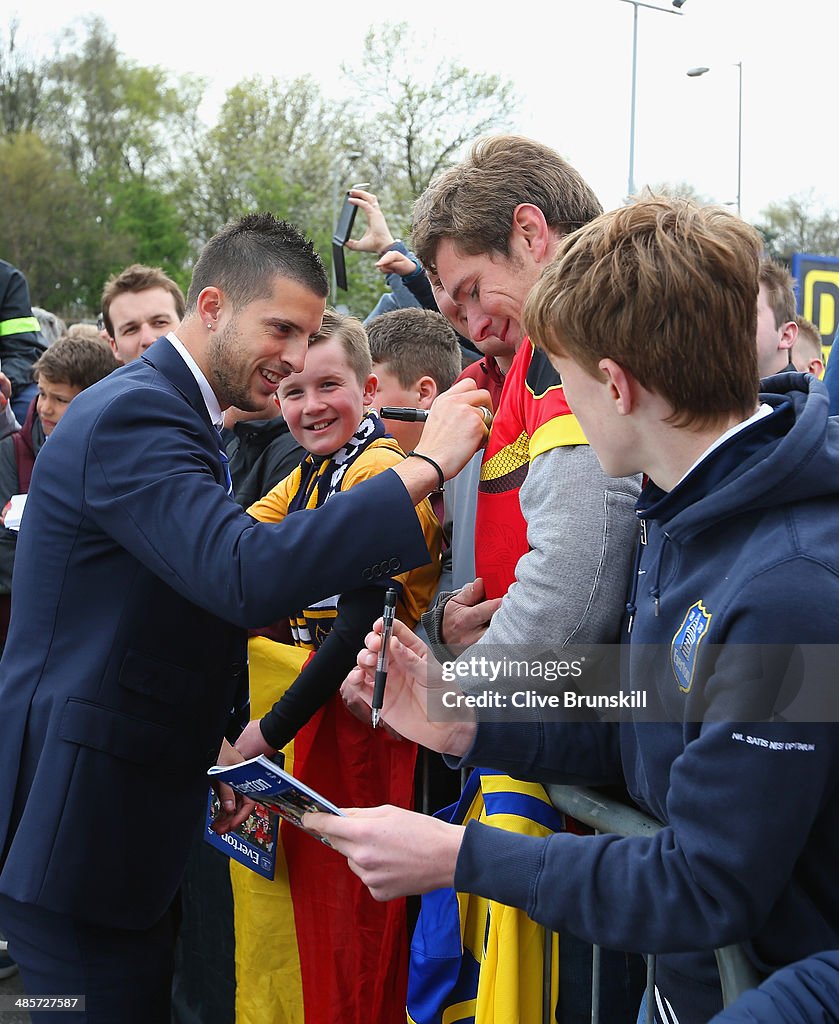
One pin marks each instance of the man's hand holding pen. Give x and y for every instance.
(411, 415)
(454, 431)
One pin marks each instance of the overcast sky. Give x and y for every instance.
(570, 61)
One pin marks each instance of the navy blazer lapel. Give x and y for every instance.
(165, 358)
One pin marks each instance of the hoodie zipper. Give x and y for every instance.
(631, 606)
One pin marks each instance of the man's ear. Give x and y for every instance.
(369, 392)
(621, 384)
(209, 304)
(789, 332)
(426, 391)
(531, 228)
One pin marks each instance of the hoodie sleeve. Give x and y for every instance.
(751, 811)
(712, 874)
(802, 993)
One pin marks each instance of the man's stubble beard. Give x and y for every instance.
(223, 361)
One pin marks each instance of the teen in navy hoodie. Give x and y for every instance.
(649, 314)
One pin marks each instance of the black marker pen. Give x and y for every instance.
(397, 412)
(381, 666)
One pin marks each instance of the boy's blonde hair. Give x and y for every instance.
(668, 290)
(350, 332)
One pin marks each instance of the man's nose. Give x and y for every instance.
(148, 335)
(479, 325)
(293, 355)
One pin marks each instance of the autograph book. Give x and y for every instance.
(274, 790)
(253, 843)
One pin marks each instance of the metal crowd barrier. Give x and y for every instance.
(605, 814)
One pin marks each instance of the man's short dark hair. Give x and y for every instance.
(415, 343)
(245, 257)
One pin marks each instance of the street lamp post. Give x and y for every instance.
(663, 10)
(697, 73)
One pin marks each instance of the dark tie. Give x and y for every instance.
(225, 465)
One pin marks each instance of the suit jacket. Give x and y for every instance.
(134, 579)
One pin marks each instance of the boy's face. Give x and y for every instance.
(592, 402)
(324, 402)
(773, 343)
(53, 399)
(390, 392)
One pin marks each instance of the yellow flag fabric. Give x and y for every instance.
(268, 985)
(475, 961)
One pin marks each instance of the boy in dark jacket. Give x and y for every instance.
(64, 370)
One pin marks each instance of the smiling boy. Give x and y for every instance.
(66, 368)
(328, 408)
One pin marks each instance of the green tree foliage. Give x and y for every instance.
(50, 228)
(269, 150)
(420, 116)
(22, 81)
(800, 224)
(150, 221)
(113, 119)
(105, 161)
(100, 134)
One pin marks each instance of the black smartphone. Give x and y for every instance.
(346, 219)
(343, 230)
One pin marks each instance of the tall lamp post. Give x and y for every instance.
(662, 10)
(697, 73)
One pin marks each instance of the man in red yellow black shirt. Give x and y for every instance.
(554, 535)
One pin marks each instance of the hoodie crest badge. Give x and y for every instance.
(684, 650)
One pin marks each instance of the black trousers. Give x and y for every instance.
(125, 976)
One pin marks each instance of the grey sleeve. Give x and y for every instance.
(571, 585)
(8, 422)
(432, 627)
(461, 500)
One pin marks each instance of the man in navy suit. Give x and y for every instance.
(135, 576)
